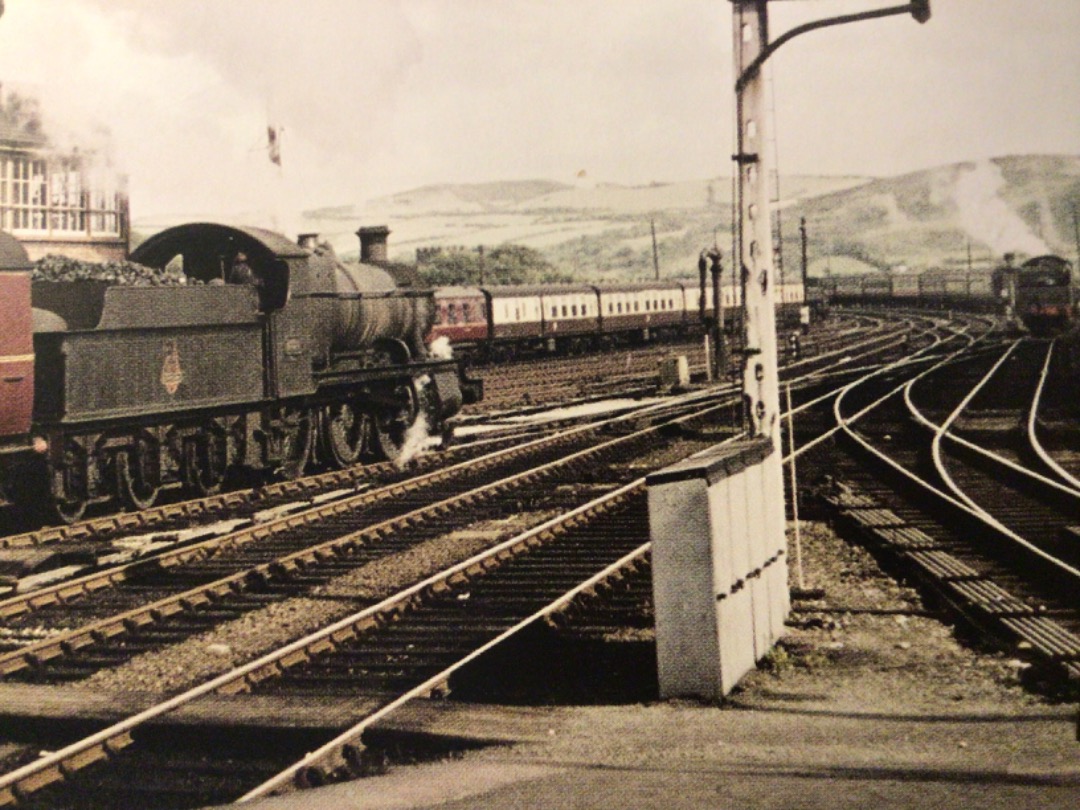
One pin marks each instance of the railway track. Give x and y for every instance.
(101, 540)
(659, 444)
(918, 504)
(533, 382)
(1053, 423)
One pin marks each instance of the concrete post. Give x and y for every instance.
(754, 251)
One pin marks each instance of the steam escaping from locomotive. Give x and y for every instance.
(441, 348)
(987, 217)
(418, 436)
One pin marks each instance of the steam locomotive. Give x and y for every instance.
(1044, 296)
(120, 392)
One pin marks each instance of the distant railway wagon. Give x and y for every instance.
(876, 288)
(905, 285)
(498, 321)
(1039, 291)
(648, 309)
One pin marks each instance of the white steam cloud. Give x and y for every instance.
(441, 349)
(988, 218)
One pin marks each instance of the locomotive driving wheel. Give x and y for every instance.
(346, 433)
(404, 424)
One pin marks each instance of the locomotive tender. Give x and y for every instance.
(129, 390)
(495, 321)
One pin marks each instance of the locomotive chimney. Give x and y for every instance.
(373, 244)
(308, 240)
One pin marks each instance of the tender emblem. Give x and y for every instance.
(171, 373)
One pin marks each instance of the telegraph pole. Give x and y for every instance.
(655, 252)
(802, 246)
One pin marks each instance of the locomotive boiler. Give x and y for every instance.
(307, 360)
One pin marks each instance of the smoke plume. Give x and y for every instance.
(988, 218)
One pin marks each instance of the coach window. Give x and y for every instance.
(554, 312)
(465, 314)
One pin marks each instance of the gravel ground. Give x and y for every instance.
(880, 704)
(873, 638)
(182, 666)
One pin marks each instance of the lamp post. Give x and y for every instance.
(753, 249)
(754, 259)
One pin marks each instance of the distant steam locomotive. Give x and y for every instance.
(119, 392)
(1044, 295)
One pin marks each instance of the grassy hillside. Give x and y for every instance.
(1021, 204)
(935, 217)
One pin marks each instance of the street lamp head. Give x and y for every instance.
(920, 10)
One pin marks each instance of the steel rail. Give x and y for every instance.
(1062, 568)
(336, 750)
(97, 746)
(98, 580)
(942, 432)
(921, 356)
(144, 615)
(57, 765)
(90, 583)
(1032, 422)
(199, 508)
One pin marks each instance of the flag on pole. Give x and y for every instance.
(273, 147)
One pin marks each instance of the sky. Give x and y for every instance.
(374, 97)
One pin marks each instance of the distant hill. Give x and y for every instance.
(935, 217)
(596, 231)
(1020, 204)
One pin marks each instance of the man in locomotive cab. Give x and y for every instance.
(240, 271)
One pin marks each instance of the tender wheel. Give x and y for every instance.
(205, 463)
(138, 473)
(70, 485)
(346, 434)
(297, 441)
